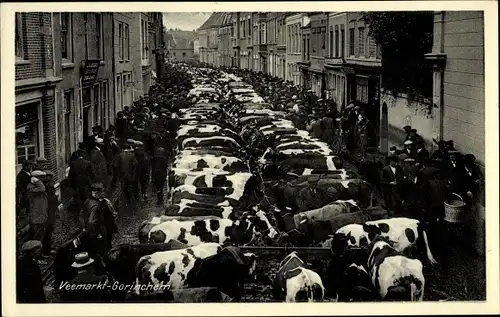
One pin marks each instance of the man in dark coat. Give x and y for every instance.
(29, 285)
(100, 219)
(98, 162)
(65, 256)
(53, 204)
(127, 172)
(407, 130)
(160, 164)
(473, 177)
(81, 151)
(121, 125)
(88, 287)
(80, 177)
(143, 168)
(23, 178)
(421, 154)
(415, 192)
(390, 178)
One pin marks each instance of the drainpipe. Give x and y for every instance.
(113, 64)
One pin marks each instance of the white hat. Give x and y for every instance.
(99, 140)
(82, 259)
(408, 142)
(38, 173)
(350, 106)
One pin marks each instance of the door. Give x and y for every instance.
(85, 115)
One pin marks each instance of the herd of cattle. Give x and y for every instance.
(243, 175)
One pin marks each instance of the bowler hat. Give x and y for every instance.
(82, 259)
(38, 173)
(408, 142)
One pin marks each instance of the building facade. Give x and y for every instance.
(293, 33)
(318, 52)
(245, 40)
(36, 107)
(335, 58)
(305, 61)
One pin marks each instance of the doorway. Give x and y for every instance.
(85, 117)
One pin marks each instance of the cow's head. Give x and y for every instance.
(250, 226)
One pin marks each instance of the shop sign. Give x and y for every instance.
(90, 71)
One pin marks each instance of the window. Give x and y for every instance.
(372, 47)
(126, 42)
(66, 36)
(27, 133)
(361, 42)
(183, 54)
(104, 102)
(119, 99)
(342, 43)
(336, 43)
(19, 35)
(331, 44)
(96, 104)
(68, 105)
(98, 28)
(351, 41)
(120, 41)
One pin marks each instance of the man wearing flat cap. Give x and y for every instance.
(390, 178)
(87, 286)
(29, 285)
(99, 219)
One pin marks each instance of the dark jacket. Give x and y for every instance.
(99, 165)
(143, 167)
(80, 173)
(22, 181)
(387, 176)
(160, 164)
(62, 263)
(127, 166)
(416, 196)
(29, 281)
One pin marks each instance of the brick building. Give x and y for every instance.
(37, 109)
(318, 51)
(305, 61)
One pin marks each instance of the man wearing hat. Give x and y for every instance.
(98, 162)
(143, 168)
(99, 219)
(127, 172)
(29, 285)
(421, 154)
(391, 176)
(408, 149)
(78, 290)
(23, 178)
(81, 151)
(407, 130)
(38, 205)
(415, 191)
(41, 164)
(53, 205)
(416, 138)
(80, 178)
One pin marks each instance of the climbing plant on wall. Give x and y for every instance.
(404, 38)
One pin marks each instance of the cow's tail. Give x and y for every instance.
(427, 249)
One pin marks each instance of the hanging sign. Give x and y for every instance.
(90, 71)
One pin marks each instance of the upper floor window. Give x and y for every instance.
(66, 34)
(19, 35)
(361, 42)
(126, 42)
(99, 36)
(351, 41)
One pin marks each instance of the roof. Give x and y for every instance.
(217, 19)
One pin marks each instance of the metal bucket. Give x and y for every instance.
(454, 210)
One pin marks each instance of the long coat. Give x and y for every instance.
(29, 281)
(143, 167)
(80, 173)
(99, 165)
(127, 166)
(160, 164)
(38, 202)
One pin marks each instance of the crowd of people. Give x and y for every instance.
(136, 149)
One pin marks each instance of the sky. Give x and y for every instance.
(185, 20)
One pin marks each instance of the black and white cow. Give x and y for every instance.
(122, 259)
(294, 282)
(205, 265)
(394, 276)
(189, 208)
(241, 231)
(405, 235)
(189, 160)
(210, 141)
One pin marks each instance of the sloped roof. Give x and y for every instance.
(217, 19)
